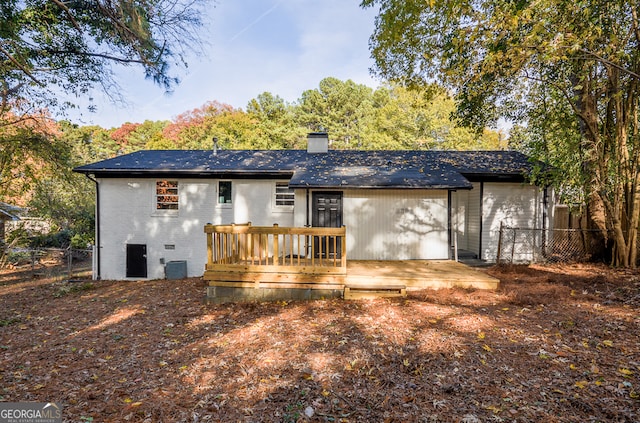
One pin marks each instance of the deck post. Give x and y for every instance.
(276, 254)
(250, 244)
(343, 249)
(209, 250)
(499, 243)
(232, 241)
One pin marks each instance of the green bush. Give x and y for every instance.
(18, 258)
(81, 241)
(18, 238)
(61, 239)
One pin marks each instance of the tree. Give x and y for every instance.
(65, 198)
(493, 54)
(338, 107)
(196, 129)
(131, 137)
(276, 122)
(421, 118)
(52, 49)
(28, 147)
(53, 46)
(552, 136)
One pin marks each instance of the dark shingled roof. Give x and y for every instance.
(334, 169)
(377, 169)
(196, 162)
(488, 162)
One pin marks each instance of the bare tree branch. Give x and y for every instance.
(610, 63)
(68, 12)
(100, 55)
(20, 66)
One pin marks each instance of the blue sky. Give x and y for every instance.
(281, 46)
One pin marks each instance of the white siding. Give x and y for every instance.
(473, 220)
(128, 216)
(396, 224)
(513, 204)
(300, 208)
(459, 208)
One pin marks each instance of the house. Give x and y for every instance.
(396, 205)
(8, 213)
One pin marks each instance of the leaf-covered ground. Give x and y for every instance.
(554, 344)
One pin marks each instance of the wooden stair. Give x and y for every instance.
(355, 292)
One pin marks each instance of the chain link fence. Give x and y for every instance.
(533, 245)
(57, 263)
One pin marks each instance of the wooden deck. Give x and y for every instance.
(248, 262)
(364, 279)
(418, 274)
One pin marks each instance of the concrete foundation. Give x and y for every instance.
(223, 294)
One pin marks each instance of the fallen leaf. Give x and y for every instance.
(496, 410)
(625, 371)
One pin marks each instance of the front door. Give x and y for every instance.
(136, 260)
(327, 213)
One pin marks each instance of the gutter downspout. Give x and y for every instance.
(97, 252)
(450, 229)
(308, 246)
(481, 219)
(307, 212)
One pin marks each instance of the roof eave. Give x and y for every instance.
(194, 173)
(329, 186)
(494, 177)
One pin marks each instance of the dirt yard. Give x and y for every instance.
(554, 344)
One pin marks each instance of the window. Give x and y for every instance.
(284, 195)
(166, 195)
(224, 192)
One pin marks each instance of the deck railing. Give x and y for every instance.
(275, 248)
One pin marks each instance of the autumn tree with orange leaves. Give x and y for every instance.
(48, 48)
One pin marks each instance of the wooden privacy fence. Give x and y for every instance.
(274, 249)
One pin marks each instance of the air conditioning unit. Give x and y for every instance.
(176, 269)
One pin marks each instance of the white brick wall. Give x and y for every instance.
(128, 216)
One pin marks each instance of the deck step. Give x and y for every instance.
(352, 292)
